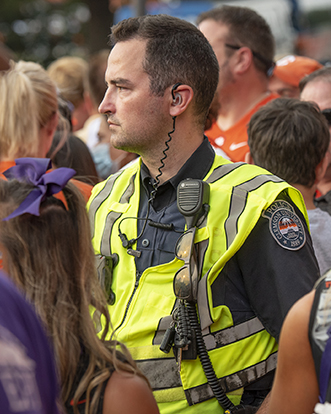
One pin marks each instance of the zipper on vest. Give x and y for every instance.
(138, 276)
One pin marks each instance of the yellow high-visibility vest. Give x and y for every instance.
(240, 354)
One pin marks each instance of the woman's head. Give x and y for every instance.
(28, 111)
(46, 245)
(48, 256)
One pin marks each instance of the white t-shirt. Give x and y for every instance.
(320, 229)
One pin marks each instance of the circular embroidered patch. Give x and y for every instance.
(287, 229)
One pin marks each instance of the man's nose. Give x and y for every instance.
(107, 104)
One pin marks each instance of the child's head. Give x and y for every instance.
(289, 138)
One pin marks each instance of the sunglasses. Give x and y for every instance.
(270, 65)
(327, 113)
(186, 279)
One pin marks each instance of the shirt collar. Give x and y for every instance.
(197, 166)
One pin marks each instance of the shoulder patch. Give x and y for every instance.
(285, 226)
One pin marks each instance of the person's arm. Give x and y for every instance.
(126, 393)
(295, 389)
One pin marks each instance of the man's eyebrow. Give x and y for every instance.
(121, 81)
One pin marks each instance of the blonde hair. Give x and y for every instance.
(28, 100)
(70, 74)
(51, 259)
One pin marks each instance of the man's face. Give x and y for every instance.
(137, 119)
(284, 89)
(217, 35)
(318, 91)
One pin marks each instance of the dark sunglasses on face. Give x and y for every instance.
(327, 113)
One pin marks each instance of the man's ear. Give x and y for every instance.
(179, 99)
(249, 158)
(243, 61)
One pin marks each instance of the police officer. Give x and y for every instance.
(254, 252)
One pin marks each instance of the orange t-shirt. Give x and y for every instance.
(233, 141)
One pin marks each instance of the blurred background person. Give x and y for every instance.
(290, 138)
(70, 76)
(29, 115)
(73, 153)
(316, 87)
(95, 88)
(67, 150)
(28, 112)
(47, 252)
(288, 73)
(244, 47)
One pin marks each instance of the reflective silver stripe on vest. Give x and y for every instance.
(125, 198)
(258, 181)
(202, 248)
(237, 206)
(233, 334)
(238, 203)
(105, 247)
(163, 374)
(100, 198)
(233, 382)
(222, 171)
(204, 312)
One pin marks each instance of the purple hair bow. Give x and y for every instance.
(33, 170)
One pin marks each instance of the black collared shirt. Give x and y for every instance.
(157, 246)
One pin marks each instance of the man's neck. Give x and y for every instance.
(180, 150)
(238, 102)
(307, 194)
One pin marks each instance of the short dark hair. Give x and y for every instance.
(246, 28)
(289, 138)
(176, 51)
(323, 74)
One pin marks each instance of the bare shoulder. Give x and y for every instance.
(295, 381)
(297, 318)
(127, 393)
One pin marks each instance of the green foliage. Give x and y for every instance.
(41, 31)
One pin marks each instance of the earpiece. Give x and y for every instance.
(178, 99)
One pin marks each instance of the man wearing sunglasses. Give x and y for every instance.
(316, 87)
(242, 264)
(244, 47)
